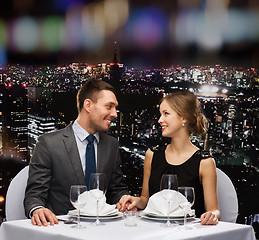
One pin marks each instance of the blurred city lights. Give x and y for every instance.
(224, 90)
(3, 56)
(147, 27)
(209, 32)
(25, 34)
(185, 27)
(53, 33)
(210, 29)
(3, 34)
(241, 26)
(219, 5)
(73, 28)
(116, 14)
(92, 25)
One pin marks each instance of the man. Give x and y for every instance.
(59, 157)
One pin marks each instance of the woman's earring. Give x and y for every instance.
(183, 124)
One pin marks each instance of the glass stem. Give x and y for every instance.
(97, 212)
(78, 218)
(168, 212)
(184, 219)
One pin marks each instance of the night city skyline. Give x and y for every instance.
(227, 88)
(35, 97)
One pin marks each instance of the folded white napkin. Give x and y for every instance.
(158, 204)
(90, 208)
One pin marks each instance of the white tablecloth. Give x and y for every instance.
(115, 230)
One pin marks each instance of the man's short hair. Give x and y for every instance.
(90, 90)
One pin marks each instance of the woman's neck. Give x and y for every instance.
(181, 144)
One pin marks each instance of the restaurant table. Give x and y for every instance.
(114, 229)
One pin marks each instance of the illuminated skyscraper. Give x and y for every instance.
(14, 121)
(39, 99)
(116, 70)
(37, 126)
(40, 120)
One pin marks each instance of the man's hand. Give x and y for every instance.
(42, 216)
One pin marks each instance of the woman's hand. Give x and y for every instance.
(127, 203)
(209, 218)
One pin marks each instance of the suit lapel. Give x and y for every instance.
(72, 153)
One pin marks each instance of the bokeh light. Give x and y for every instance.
(184, 31)
(3, 56)
(53, 33)
(25, 34)
(211, 29)
(116, 14)
(241, 26)
(159, 31)
(147, 28)
(73, 28)
(93, 27)
(3, 34)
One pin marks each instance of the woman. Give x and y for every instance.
(180, 117)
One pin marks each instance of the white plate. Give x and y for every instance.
(111, 213)
(118, 215)
(110, 216)
(156, 217)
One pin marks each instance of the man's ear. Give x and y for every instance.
(87, 104)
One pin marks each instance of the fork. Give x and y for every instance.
(68, 221)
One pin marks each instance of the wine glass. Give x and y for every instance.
(169, 182)
(189, 194)
(78, 201)
(97, 186)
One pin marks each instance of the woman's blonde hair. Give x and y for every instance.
(187, 106)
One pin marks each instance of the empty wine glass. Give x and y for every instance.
(78, 201)
(189, 194)
(97, 187)
(169, 182)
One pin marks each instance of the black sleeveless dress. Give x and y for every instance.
(187, 173)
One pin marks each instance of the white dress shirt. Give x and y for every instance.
(81, 141)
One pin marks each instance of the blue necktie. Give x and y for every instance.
(90, 166)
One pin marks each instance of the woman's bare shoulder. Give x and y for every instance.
(149, 154)
(208, 166)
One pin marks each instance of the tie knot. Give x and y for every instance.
(90, 138)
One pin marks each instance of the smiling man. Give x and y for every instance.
(59, 158)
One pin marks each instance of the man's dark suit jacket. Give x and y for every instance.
(56, 165)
